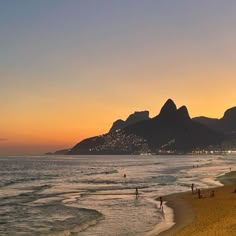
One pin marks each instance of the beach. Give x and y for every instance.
(208, 215)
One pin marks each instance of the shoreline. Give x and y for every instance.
(167, 220)
(184, 206)
(182, 212)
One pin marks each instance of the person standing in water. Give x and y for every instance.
(161, 203)
(136, 193)
(192, 187)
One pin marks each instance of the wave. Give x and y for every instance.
(23, 180)
(103, 172)
(53, 218)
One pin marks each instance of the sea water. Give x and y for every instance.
(89, 195)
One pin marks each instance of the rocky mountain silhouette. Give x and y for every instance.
(172, 129)
(225, 125)
(132, 119)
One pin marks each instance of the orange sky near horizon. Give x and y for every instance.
(69, 69)
(58, 130)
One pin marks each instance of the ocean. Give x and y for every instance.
(89, 195)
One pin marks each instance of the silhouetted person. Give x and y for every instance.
(192, 187)
(199, 193)
(212, 193)
(124, 175)
(161, 203)
(136, 193)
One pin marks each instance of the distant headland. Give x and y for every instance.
(172, 131)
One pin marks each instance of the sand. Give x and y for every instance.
(206, 216)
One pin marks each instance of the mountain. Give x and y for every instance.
(59, 152)
(226, 125)
(171, 130)
(132, 119)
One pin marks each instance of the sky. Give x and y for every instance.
(69, 69)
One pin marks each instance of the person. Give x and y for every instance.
(124, 175)
(192, 187)
(212, 193)
(161, 203)
(196, 191)
(199, 193)
(136, 193)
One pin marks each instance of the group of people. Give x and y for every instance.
(136, 189)
(160, 198)
(198, 192)
(137, 195)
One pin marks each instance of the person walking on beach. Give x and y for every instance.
(161, 203)
(192, 187)
(136, 193)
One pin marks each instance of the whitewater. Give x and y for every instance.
(90, 195)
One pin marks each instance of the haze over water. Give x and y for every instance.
(58, 195)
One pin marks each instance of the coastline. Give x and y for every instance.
(193, 216)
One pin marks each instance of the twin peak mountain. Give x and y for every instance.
(172, 131)
(168, 109)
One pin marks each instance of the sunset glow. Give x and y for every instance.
(69, 69)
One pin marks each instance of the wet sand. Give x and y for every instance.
(205, 216)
